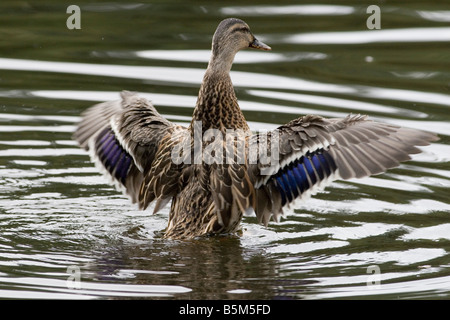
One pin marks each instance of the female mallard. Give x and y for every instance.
(212, 178)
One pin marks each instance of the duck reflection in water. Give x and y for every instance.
(218, 267)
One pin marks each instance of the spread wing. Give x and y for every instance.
(127, 140)
(310, 152)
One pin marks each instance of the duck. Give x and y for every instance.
(216, 169)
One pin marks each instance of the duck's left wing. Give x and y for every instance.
(123, 138)
(310, 152)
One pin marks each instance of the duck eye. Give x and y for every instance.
(242, 29)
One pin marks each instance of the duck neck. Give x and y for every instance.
(217, 106)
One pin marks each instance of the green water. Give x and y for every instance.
(66, 233)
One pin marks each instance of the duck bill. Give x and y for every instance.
(256, 44)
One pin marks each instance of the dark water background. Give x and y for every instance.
(65, 233)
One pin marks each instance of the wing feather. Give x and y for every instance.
(315, 151)
(124, 138)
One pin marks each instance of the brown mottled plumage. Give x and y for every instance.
(212, 181)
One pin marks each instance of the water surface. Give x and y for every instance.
(66, 233)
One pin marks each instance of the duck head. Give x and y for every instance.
(231, 36)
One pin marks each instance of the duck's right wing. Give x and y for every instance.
(128, 139)
(312, 151)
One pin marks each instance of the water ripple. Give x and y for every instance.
(35, 288)
(437, 34)
(320, 10)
